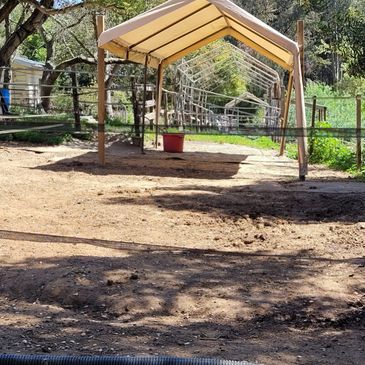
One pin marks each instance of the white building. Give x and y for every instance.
(24, 86)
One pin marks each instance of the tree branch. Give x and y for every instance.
(51, 11)
(74, 36)
(7, 9)
(33, 23)
(85, 4)
(89, 61)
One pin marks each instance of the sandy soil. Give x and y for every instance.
(216, 252)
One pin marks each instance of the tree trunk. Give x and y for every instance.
(108, 84)
(8, 7)
(50, 76)
(136, 109)
(7, 71)
(22, 32)
(48, 80)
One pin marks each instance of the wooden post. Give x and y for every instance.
(75, 98)
(144, 102)
(300, 40)
(101, 93)
(197, 119)
(158, 100)
(358, 133)
(313, 125)
(176, 102)
(136, 108)
(286, 114)
(166, 111)
(276, 103)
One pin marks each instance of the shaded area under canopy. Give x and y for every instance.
(176, 28)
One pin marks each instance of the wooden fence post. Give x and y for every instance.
(75, 98)
(313, 125)
(286, 114)
(101, 93)
(158, 101)
(358, 133)
(165, 109)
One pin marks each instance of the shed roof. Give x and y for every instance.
(23, 61)
(178, 27)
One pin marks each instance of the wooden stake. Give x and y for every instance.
(158, 100)
(166, 112)
(101, 93)
(286, 114)
(358, 133)
(313, 125)
(300, 40)
(75, 98)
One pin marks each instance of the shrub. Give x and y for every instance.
(331, 151)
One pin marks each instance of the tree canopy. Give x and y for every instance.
(62, 32)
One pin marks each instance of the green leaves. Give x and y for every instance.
(33, 48)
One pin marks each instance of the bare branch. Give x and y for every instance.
(22, 16)
(51, 11)
(74, 36)
(89, 61)
(66, 9)
(49, 43)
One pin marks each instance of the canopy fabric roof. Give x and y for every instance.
(178, 27)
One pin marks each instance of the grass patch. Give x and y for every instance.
(261, 142)
(37, 137)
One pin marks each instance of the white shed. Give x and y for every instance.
(24, 86)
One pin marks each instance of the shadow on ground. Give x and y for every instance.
(180, 302)
(313, 201)
(262, 200)
(128, 160)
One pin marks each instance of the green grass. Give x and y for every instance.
(327, 151)
(53, 136)
(37, 137)
(262, 142)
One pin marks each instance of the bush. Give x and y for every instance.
(331, 151)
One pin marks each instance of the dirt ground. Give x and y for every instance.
(217, 252)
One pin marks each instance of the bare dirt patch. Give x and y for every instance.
(216, 252)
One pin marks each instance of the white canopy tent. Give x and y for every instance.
(170, 31)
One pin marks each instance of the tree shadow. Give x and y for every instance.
(313, 202)
(178, 302)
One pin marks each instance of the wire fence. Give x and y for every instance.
(333, 117)
(30, 102)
